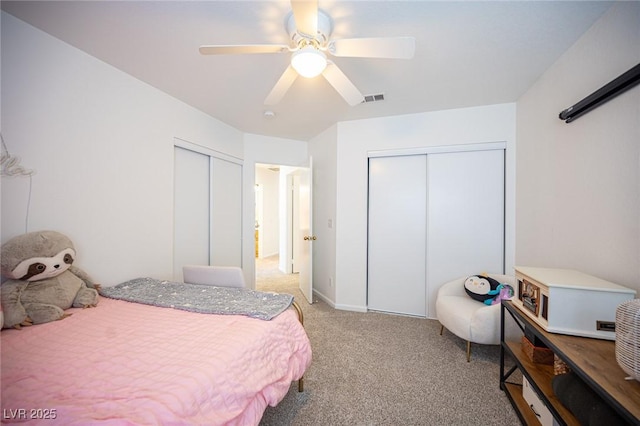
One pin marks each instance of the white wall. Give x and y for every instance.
(494, 123)
(578, 184)
(102, 145)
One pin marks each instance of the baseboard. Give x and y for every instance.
(352, 308)
(331, 303)
(324, 298)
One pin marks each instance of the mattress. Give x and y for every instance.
(127, 363)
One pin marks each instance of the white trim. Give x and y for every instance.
(206, 151)
(484, 146)
(352, 308)
(324, 298)
(400, 314)
(328, 301)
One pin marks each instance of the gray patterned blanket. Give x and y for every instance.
(204, 299)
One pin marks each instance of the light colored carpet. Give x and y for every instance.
(379, 369)
(269, 277)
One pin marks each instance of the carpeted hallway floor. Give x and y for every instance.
(269, 277)
(379, 369)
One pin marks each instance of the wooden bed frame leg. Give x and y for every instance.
(299, 311)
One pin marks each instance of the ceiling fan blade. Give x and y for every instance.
(342, 84)
(243, 49)
(286, 80)
(374, 47)
(305, 13)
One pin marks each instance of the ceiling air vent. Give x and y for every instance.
(373, 98)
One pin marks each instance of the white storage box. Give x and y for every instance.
(569, 302)
(536, 405)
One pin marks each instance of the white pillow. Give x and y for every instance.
(222, 276)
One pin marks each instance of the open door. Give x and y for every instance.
(305, 237)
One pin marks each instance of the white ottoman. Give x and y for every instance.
(469, 319)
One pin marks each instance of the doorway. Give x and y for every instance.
(273, 229)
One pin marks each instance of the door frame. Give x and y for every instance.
(290, 236)
(484, 146)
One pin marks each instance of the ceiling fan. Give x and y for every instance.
(309, 29)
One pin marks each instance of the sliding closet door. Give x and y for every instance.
(433, 218)
(465, 231)
(226, 214)
(191, 210)
(207, 209)
(397, 210)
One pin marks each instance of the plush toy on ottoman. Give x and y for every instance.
(481, 287)
(485, 289)
(42, 281)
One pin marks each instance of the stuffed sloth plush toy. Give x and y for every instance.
(42, 281)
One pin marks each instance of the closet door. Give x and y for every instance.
(397, 230)
(465, 217)
(207, 210)
(226, 213)
(191, 201)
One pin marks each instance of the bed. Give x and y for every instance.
(130, 363)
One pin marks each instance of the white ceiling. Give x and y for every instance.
(468, 53)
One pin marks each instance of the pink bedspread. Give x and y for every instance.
(126, 363)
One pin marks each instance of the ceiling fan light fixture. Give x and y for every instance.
(309, 62)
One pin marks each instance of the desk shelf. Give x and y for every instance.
(593, 360)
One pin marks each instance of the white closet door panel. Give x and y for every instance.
(397, 209)
(465, 217)
(191, 210)
(226, 213)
